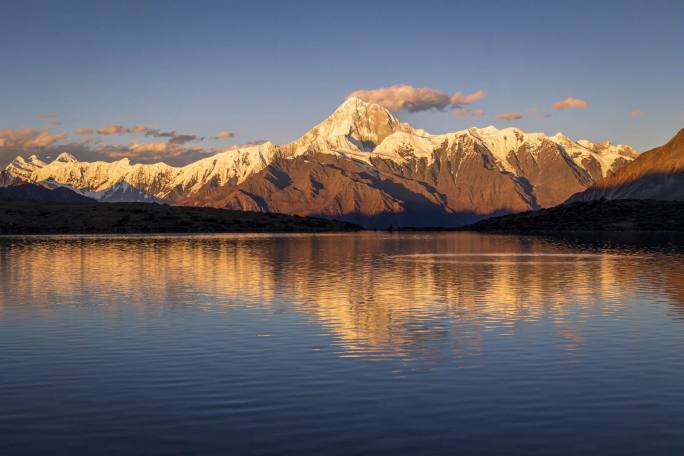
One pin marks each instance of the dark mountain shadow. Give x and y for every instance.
(261, 202)
(278, 178)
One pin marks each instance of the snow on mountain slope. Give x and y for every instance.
(233, 165)
(23, 168)
(95, 176)
(401, 145)
(159, 180)
(354, 126)
(125, 193)
(501, 143)
(599, 159)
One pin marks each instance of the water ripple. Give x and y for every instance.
(369, 343)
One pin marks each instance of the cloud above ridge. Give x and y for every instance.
(27, 138)
(510, 116)
(463, 113)
(26, 142)
(224, 134)
(116, 129)
(570, 103)
(402, 97)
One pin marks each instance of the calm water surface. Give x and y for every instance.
(361, 344)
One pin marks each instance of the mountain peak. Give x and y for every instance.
(677, 140)
(355, 101)
(560, 138)
(354, 106)
(65, 157)
(355, 124)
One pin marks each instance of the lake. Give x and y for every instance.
(340, 344)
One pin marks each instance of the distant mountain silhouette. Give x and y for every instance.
(35, 192)
(657, 174)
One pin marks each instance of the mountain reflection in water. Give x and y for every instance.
(380, 295)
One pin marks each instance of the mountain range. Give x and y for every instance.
(361, 164)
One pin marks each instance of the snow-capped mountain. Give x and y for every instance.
(360, 164)
(598, 159)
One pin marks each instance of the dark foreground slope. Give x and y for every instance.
(601, 215)
(34, 192)
(32, 217)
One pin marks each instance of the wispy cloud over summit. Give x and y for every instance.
(464, 113)
(414, 99)
(113, 130)
(116, 129)
(224, 134)
(510, 116)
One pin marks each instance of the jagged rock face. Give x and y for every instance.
(456, 187)
(412, 194)
(656, 174)
(7, 179)
(550, 172)
(363, 165)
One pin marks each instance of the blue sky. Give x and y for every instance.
(271, 70)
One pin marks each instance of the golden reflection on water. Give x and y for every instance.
(380, 294)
